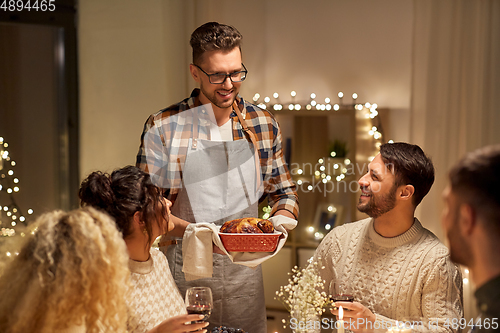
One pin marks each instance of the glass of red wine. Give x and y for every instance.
(340, 293)
(199, 301)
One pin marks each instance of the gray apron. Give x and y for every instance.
(217, 188)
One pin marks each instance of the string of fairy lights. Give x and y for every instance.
(336, 167)
(10, 214)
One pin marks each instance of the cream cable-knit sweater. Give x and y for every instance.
(410, 275)
(154, 296)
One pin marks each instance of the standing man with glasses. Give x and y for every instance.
(216, 156)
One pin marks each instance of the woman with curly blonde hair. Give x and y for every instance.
(142, 213)
(70, 276)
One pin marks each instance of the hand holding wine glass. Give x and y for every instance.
(339, 293)
(199, 301)
(181, 324)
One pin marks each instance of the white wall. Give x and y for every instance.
(134, 58)
(127, 50)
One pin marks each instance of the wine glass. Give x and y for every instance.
(199, 301)
(339, 292)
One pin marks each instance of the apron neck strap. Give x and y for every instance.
(244, 124)
(253, 139)
(240, 116)
(194, 143)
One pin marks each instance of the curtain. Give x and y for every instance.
(455, 80)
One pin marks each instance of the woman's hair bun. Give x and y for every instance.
(96, 191)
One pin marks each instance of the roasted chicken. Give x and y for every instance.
(248, 225)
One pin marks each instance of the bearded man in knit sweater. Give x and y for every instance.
(394, 267)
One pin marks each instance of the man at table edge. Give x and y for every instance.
(471, 219)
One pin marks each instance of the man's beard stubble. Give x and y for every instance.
(377, 206)
(213, 98)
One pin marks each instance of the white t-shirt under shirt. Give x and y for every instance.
(154, 296)
(222, 133)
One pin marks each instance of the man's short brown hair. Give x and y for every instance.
(475, 179)
(213, 36)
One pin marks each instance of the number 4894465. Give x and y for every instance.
(28, 5)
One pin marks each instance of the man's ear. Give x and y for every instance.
(467, 218)
(194, 72)
(407, 192)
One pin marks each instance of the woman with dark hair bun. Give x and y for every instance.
(141, 214)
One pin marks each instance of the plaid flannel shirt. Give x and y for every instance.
(164, 144)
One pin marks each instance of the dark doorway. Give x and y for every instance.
(39, 105)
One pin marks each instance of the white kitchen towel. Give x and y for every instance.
(198, 241)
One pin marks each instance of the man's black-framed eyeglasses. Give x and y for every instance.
(219, 78)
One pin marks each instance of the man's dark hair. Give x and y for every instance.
(213, 36)
(475, 179)
(410, 166)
